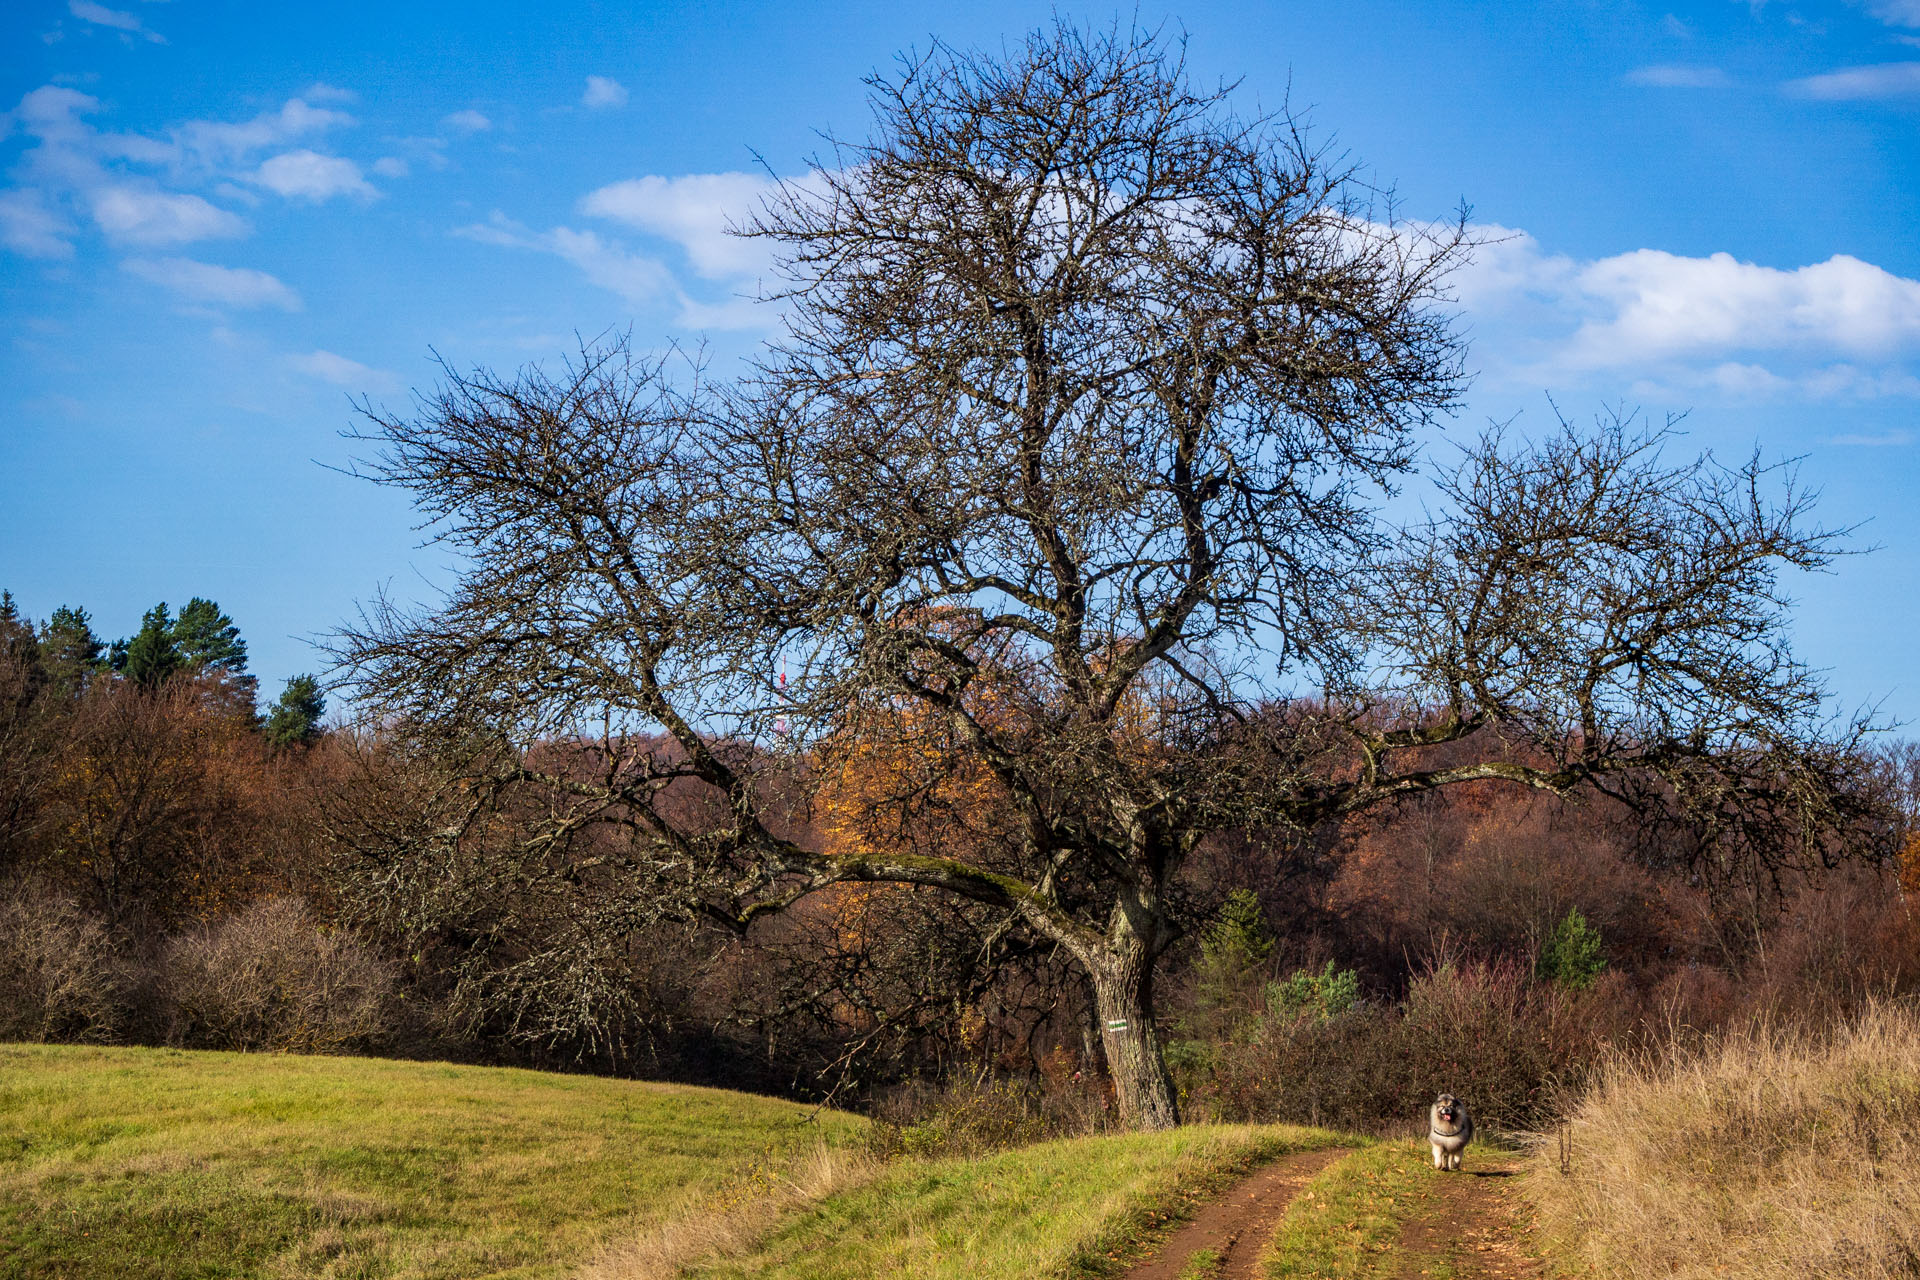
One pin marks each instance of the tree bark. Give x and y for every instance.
(1123, 997)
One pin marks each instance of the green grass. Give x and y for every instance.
(1203, 1265)
(144, 1163)
(1343, 1224)
(1084, 1206)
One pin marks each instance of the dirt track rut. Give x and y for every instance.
(1238, 1223)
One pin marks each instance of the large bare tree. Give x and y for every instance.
(1065, 472)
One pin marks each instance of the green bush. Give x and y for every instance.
(1573, 955)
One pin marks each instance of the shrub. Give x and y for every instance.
(1572, 956)
(269, 978)
(1317, 1056)
(972, 1114)
(1322, 995)
(59, 979)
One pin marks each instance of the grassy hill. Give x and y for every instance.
(158, 1163)
(150, 1163)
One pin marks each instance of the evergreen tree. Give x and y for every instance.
(69, 651)
(1573, 955)
(295, 718)
(210, 646)
(22, 669)
(208, 639)
(152, 655)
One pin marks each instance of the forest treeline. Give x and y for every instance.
(181, 868)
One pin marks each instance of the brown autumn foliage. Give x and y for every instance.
(152, 847)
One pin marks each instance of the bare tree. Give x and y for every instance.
(1065, 471)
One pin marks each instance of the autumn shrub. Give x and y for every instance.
(1485, 1031)
(59, 976)
(269, 978)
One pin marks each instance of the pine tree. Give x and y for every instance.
(211, 647)
(208, 639)
(152, 655)
(69, 651)
(1573, 955)
(22, 670)
(295, 718)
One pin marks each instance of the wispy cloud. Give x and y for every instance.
(603, 91)
(308, 175)
(1896, 13)
(1880, 440)
(1886, 80)
(223, 286)
(116, 19)
(342, 372)
(1677, 76)
(29, 226)
(468, 121)
(217, 143)
(140, 213)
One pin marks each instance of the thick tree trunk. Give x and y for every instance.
(1123, 996)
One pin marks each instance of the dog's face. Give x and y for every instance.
(1447, 1107)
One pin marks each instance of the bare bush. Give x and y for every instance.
(59, 979)
(270, 978)
(1763, 1153)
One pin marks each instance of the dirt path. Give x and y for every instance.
(1238, 1224)
(1479, 1229)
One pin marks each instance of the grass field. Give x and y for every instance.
(1081, 1206)
(145, 1163)
(148, 1163)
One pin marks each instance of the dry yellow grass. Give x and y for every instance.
(1767, 1153)
(732, 1224)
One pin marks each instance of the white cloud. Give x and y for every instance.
(28, 226)
(118, 19)
(390, 167)
(1677, 76)
(604, 92)
(308, 175)
(468, 121)
(144, 214)
(1661, 304)
(694, 212)
(139, 189)
(342, 372)
(214, 143)
(319, 91)
(1887, 80)
(205, 282)
(1839, 329)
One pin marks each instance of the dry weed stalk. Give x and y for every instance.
(1768, 1153)
(731, 1224)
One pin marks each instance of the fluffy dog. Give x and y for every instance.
(1449, 1129)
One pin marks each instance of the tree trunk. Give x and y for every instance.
(1123, 996)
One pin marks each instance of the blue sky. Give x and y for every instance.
(218, 221)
